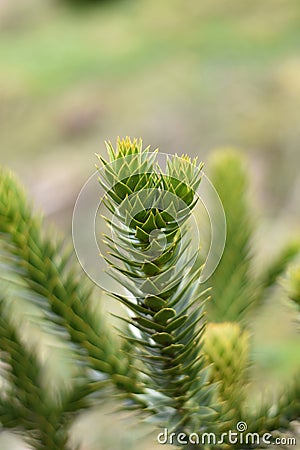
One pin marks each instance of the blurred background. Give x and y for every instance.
(187, 76)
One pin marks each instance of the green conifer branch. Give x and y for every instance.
(288, 253)
(227, 352)
(233, 292)
(26, 405)
(47, 268)
(237, 290)
(167, 310)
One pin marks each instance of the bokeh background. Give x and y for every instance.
(188, 76)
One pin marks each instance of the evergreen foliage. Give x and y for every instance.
(181, 372)
(227, 349)
(237, 289)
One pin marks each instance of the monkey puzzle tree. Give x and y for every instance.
(185, 348)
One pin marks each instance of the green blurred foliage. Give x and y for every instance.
(187, 76)
(205, 73)
(84, 4)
